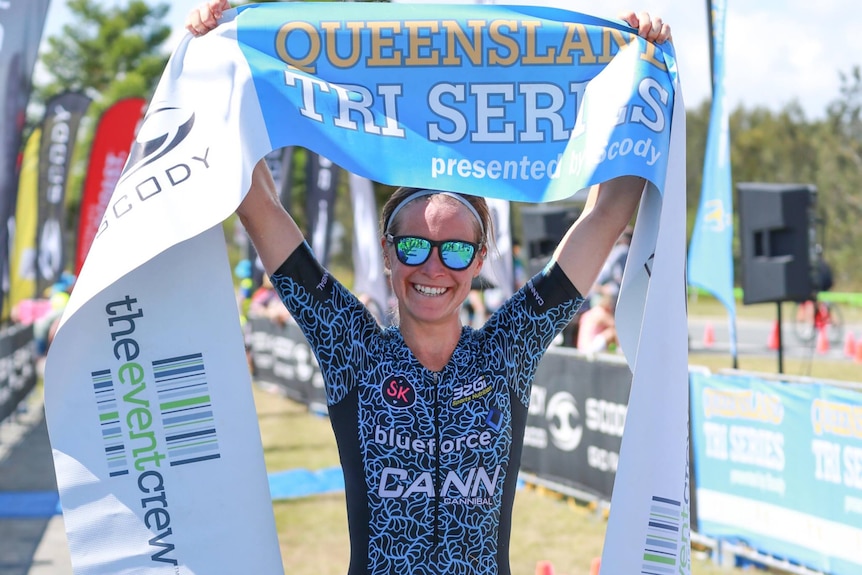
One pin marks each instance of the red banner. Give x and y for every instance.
(111, 144)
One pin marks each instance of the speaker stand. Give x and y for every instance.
(780, 340)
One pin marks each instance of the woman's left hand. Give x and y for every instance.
(651, 28)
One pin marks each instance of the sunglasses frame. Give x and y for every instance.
(434, 244)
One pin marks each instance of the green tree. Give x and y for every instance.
(107, 52)
(838, 151)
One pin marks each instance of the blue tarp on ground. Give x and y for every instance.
(290, 484)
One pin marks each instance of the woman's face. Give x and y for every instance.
(432, 292)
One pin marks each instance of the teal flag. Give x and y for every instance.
(710, 255)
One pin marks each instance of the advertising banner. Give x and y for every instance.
(21, 23)
(408, 98)
(112, 142)
(710, 256)
(282, 358)
(321, 184)
(779, 466)
(22, 262)
(63, 115)
(576, 421)
(17, 366)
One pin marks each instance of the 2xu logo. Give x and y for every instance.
(398, 392)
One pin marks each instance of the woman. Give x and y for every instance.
(429, 415)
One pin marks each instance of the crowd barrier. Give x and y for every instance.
(17, 366)
(776, 465)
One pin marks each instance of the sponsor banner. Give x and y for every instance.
(710, 256)
(649, 525)
(114, 135)
(158, 416)
(63, 115)
(282, 358)
(369, 278)
(576, 421)
(22, 263)
(321, 183)
(21, 23)
(499, 265)
(17, 366)
(429, 109)
(779, 466)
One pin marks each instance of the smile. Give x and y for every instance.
(431, 291)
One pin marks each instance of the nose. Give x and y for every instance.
(434, 263)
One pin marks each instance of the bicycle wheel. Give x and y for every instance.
(834, 324)
(803, 322)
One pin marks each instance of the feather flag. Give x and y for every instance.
(710, 255)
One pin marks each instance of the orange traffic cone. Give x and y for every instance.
(544, 568)
(708, 335)
(822, 341)
(595, 566)
(850, 345)
(774, 337)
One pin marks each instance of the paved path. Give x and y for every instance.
(30, 546)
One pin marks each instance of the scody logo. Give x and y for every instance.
(158, 140)
(166, 128)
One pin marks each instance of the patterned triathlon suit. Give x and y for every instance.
(430, 459)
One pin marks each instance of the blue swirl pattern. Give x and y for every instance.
(430, 458)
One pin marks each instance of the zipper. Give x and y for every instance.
(437, 483)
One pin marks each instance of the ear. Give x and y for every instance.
(387, 266)
(480, 258)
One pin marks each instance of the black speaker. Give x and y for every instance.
(543, 227)
(778, 238)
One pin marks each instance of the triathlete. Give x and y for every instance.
(428, 414)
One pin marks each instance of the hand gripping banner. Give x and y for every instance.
(155, 436)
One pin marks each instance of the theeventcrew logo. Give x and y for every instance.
(153, 416)
(163, 158)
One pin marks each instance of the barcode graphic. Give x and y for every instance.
(186, 409)
(109, 421)
(662, 540)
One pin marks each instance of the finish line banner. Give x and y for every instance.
(155, 437)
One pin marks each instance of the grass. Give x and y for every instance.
(312, 531)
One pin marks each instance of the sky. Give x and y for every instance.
(778, 51)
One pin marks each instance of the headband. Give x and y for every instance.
(422, 193)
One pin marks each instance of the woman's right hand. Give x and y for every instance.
(205, 17)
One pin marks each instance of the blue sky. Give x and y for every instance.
(777, 50)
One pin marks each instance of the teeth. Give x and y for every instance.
(427, 290)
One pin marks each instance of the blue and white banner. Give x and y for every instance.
(515, 103)
(710, 255)
(779, 466)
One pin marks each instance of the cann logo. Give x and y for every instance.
(397, 392)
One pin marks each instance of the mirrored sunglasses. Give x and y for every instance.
(415, 250)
